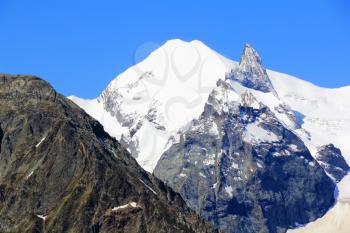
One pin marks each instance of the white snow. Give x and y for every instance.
(344, 190)
(312, 164)
(325, 112)
(202, 175)
(214, 129)
(129, 205)
(293, 147)
(95, 109)
(152, 190)
(183, 75)
(223, 98)
(37, 145)
(235, 165)
(255, 134)
(178, 77)
(42, 217)
(29, 175)
(152, 143)
(259, 165)
(182, 175)
(209, 162)
(229, 190)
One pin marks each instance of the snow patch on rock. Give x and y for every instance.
(129, 205)
(254, 133)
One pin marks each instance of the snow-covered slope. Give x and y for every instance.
(324, 113)
(156, 97)
(94, 108)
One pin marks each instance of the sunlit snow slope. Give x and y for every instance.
(158, 96)
(324, 113)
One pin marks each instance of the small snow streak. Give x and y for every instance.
(229, 190)
(209, 162)
(42, 217)
(129, 205)
(37, 145)
(29, 175)
(148, 187)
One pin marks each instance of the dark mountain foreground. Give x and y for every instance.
(60, 172)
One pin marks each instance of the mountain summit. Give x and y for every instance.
(144, 106)
(250, 56)
(251, 72)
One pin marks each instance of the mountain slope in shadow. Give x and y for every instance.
(60, 171)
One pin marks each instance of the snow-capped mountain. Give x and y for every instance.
(153, 105)
(144, 106)
(170, 87)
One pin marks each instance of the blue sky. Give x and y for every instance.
(80, 46)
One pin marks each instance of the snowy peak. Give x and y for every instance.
(251, 73)
(153, 99)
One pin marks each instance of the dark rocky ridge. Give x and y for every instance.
(332, 161)
(60, 172)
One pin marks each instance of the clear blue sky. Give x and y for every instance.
(79, 46)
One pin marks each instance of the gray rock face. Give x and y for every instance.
(332, 161)
(240, 168)
(60, 172)
(251, 72)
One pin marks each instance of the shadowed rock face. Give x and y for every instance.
(333, 162)
(60, 172)
(240, 168)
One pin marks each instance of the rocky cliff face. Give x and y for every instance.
(332, 161)
(239, 167)
(251, 72)
(60, 172)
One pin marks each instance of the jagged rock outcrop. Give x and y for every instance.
(240, 168)
(60, 172)
(333, 162)
(251, 72)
